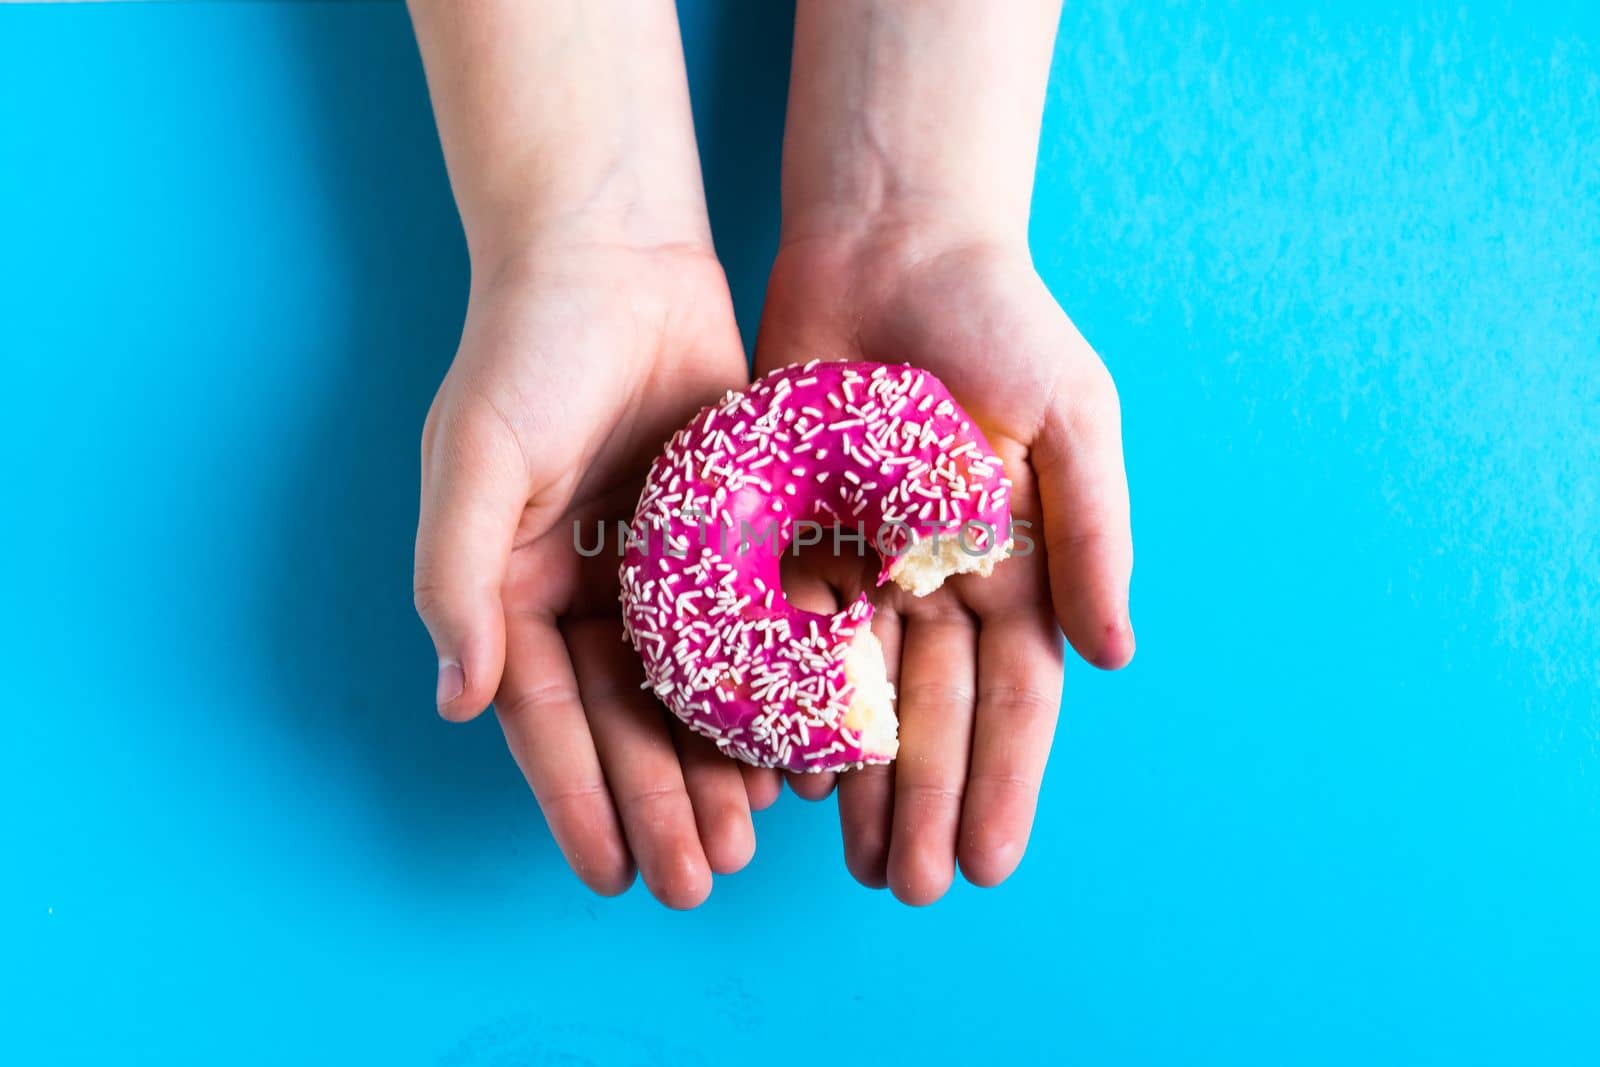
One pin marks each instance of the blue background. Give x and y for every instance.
(1345, 806)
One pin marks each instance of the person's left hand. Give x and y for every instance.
(978, 664)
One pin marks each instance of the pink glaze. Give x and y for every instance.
(848, 443)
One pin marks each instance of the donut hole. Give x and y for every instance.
(826, 575)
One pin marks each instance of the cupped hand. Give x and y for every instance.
(978, 664)
(577, 362)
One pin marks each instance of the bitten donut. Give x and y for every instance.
(880, 451)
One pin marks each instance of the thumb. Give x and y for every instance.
(1088, 540)
(473, 491)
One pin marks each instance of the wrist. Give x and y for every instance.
(592, 259)
(864, 240)
(925, 223)
(615, 217)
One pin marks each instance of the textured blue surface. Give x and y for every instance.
(1345, 807)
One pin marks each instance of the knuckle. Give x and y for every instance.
(579, 795)
(938, 612)
(1004, 797)
(941, 694)
(931, 796)
(427, 597)
(1076, 542)
(1017, 703)
(537, 699)
(645, 804)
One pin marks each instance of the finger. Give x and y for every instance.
(641, 766)
(761, 785)
(938, 675)
(1087, 538)
(473, 491)
(1019, 697)
(717, 793)
(866, 807)
(547, 733)
(866, 796)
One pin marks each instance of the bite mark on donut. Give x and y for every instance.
(923, 568)
(871, 710)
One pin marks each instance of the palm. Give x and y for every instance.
(978, 663)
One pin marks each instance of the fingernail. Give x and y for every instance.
(451, 682)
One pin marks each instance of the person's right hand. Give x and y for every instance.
(578, 360)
